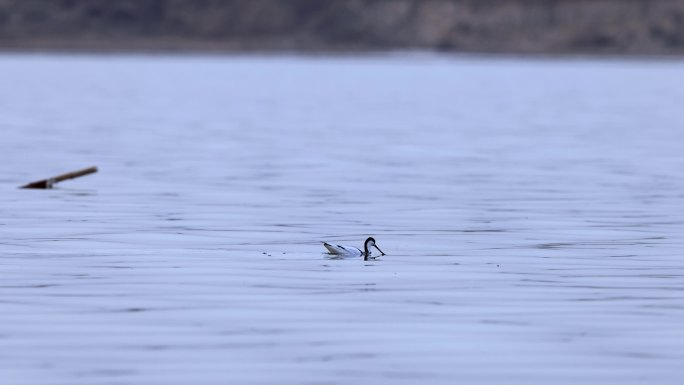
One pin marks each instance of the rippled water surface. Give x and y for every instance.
(531, 211)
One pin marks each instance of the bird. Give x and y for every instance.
(352, 251)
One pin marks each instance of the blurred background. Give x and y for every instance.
(510, 26)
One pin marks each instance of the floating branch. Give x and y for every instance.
(48, 183)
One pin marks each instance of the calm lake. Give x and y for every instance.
(531, 211)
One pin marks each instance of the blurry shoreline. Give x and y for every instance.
(209, 50)
(181, 47)
(508, 27)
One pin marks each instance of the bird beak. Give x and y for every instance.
(379, 249)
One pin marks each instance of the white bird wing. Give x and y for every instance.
(342, 250)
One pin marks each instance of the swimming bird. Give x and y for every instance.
(352, 251)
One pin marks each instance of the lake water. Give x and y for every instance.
(531, 212)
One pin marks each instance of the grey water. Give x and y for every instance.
(530, 209)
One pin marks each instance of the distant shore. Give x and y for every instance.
(603, 27)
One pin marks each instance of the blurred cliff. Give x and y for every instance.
(515, 26)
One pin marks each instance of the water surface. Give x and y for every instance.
(531, 211)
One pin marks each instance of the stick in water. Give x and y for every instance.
(48, 183)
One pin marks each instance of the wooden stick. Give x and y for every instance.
(48, 183)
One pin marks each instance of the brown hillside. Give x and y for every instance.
(520, 26)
